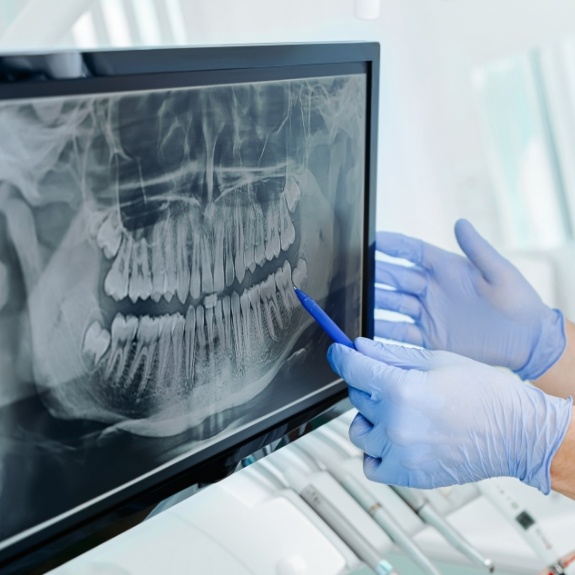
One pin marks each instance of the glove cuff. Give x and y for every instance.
(550, 438)
(548, 348)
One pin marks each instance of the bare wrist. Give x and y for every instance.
(563, 463)
(559, 379)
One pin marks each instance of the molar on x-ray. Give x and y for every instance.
(157, 236)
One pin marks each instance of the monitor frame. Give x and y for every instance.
(126, 70)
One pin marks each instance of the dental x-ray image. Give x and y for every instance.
(149, 245)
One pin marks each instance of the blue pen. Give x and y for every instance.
(323, 319)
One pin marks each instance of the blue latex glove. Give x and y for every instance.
(479, 306)
(430, 419)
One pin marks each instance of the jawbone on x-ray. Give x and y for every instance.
(158, 234)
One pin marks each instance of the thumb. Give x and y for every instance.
(362, 372)
(395, 355)
(480, 252)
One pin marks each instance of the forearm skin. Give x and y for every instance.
(559, 380)
(563, 464)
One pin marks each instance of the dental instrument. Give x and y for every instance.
(318, 489)
(421, 505)
(525, 524)
(412, 497)
(358, 488)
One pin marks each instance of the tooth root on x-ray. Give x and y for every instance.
(196, 260)
(220, 328)
(171, 276)
(201, 335)
(274, 304)
(249, 238)
(178, 330)
(164, 342)
(236, 325)
(259, 240)
(158, 266)
(164, 349)
(269, 318)
(246, 319)
(226, 309)
(209, 315)
(239, 242)
(143, 362)
(219, 281)
(255, 301)
(123, 333)
(183, 265)
(190, 342)
(271, 306)
(207, 275)
(229, 251)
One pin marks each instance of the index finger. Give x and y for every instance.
(400, 246)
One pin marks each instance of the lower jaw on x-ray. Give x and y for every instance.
(150, 244)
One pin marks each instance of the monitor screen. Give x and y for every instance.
(155, 214)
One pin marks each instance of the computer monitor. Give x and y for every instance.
(156, 209)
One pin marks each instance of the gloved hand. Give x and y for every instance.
(480, 306)
(430, 419)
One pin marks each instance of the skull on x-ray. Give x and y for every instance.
(158, 235)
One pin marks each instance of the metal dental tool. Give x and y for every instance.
(421, 505)
(330, 456)
(524, 523)
(337, 521)
(315, 491)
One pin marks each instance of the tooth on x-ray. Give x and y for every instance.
(292, 194)
(109, 234)
(117, 282)
(299, 274)
(200, 209)
(96, 343)
(183, 268)
(147, 339)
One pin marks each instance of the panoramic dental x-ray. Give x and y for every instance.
(149, 245)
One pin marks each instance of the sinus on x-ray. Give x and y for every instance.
(149, 245)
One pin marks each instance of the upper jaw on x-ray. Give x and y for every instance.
(158, 236)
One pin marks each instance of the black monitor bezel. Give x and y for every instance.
(128, 70)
